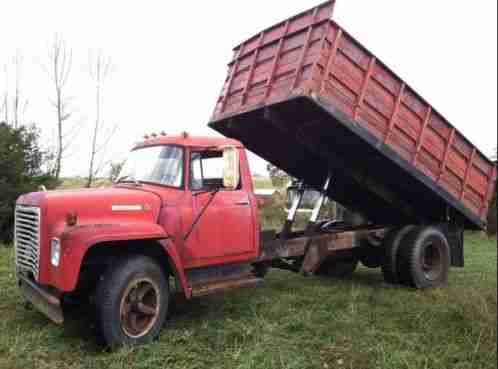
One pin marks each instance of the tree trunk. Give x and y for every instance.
(58, 160)
(95, 131)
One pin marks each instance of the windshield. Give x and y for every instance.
(156, 164)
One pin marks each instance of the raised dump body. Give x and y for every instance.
(309, 98)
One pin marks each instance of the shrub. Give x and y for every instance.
(23, 168)
(278, 177)
(492, 226)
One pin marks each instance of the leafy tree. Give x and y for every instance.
(24, 166)
(493, 209)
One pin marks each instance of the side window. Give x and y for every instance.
(206, 170)
(196, 182)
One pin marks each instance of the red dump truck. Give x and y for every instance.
(310, 99)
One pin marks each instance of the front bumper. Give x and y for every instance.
(45, 301)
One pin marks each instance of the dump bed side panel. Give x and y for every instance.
(263, 68)
(310, 55)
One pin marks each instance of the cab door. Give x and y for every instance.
(236, 228)
(224, 218)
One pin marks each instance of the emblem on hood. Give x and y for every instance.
(128, 208)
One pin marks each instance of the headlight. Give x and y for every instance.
(55, 253)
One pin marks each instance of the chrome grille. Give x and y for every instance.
(27, 239)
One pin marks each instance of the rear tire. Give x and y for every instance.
(392, 245)
(425, 258)
(338, 268)
(131, 302)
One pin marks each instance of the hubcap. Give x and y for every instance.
(139, 308)
(431, 262)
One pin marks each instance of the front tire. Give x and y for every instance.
(132, 299)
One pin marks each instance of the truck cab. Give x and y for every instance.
(182, 208)
(189, 176)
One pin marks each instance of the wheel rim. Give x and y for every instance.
(431, 262)
(139, 308)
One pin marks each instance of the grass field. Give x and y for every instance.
(290, 322)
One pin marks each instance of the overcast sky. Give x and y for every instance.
(170, 59)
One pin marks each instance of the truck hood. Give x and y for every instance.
(94, 206)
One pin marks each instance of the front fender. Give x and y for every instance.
(176, 263)
(76, 241)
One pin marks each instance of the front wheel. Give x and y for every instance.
(132, 302)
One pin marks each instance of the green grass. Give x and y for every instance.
(290, 322)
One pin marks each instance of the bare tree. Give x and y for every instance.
(99, 68)
(13, 104)
(17, 92)
(59, 68)
(20, 103)
(115, 170)
(6, 96)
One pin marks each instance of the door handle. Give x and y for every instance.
(242, 203)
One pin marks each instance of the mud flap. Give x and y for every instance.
(456, 242)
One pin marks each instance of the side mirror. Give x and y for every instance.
(231, 173)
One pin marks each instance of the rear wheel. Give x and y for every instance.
(338, 268)
(132, 302)
(425, 258)
(392, 245)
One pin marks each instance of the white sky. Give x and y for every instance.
(170, 59)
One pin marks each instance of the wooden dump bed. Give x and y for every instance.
(309, 98)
